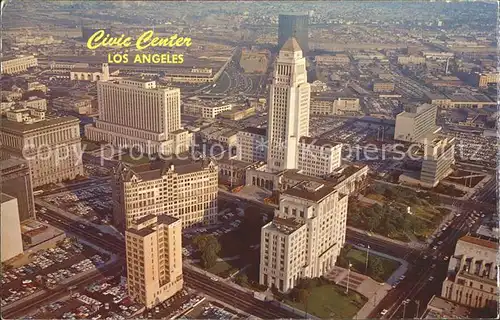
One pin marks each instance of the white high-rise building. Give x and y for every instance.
(138, 114)
(306, 235)
(289, 104)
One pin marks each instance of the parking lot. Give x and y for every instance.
(212, 310)
(93, 203)
(48, 269)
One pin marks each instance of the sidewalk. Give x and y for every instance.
(365, 285)
(412, 244)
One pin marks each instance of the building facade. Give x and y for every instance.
(17, 65)
(305, 237)
(252, 144)
(154, 259)
(12, 243)
(382, 86)
(473, 273)
(296, 26)
(137, 114)
(185, 190)
(414, 125)
(289, 104)
(90, 74)
(16, 181)
(411, 60)
(205, 111)
(439, 157)
(51, 146)
(318, 157)
(484, 79)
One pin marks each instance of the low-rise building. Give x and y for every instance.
(473, 273)
(383, 86)
(204, 110)
(252, 144)
(403, 60)
(319, 157)
(34, 86)
(484, 79)
(35, 103)
(73, 104)
(345, 106)
(238, 113)
(15, 65)
(340, 59)
(90, 74)
(440, 308)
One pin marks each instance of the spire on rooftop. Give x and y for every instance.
(291, 45)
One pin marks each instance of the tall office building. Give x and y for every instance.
(183, 189)
(289, 104)
(136, 113)
(12, 243)
(52, 146)
(16, 181)
(154, 259)
(439, 157)
(414, 125)
(306, 235)
(473, 273)
(296, 26)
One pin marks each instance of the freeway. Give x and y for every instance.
(201, 282)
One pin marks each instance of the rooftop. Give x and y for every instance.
(480, 242)
(12, 163)
(20, 127)
(291, 45)
(156, 169)
(255, 130)
(318, 142)
(5, 197)
(286, 225)
(441, 308)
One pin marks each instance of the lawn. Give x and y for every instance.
(134, 160)
(358, 260)
(224, 268)
(329, 301)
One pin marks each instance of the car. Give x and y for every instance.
(425, 257)
(431, 278)
(383, 312)
(434, 248)
(402, 277)
(214, 279)
(434, 257)
(440, 242)
(433, 265)
(446, 258)
(395, 284)
(458, 215)
(406, 301)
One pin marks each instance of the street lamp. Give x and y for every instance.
(348, 274)
(367, 254)
(418, 306)
(404, 308)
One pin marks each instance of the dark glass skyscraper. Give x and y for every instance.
(294, 25)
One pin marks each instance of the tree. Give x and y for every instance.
(209, 248)
(241, 279)
(375, 268)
